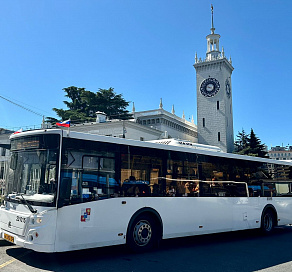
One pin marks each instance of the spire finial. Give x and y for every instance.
(172, 111)
(133, 109)
(230, 61)
(212, 28)
(160, 105)
(43, 122)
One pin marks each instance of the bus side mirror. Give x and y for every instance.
(65, 192)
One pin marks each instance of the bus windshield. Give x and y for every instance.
(32, 175)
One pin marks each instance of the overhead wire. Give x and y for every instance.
(27, 105)
(25, 108)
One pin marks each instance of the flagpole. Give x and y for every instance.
(69, 127)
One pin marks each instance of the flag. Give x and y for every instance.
(64, 123)
(18, 131)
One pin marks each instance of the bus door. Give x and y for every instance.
(245, 206)
(216, 207)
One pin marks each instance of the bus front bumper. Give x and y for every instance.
(22, 242)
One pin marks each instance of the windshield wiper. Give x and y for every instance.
(27, 204)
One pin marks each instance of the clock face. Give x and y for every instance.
(227, 88)
(210, 87)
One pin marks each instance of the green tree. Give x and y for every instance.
(75, 94)
(255, 145)
(114, 105)
(241, 141)
(249, 145)
(83, 104)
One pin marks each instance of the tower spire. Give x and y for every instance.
(213, 42)
(212, 27)
(133, 109)
(160, 105)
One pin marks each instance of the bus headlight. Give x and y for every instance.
(37, 220)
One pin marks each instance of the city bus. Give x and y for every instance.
(68, 191)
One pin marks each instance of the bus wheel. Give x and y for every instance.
(268, 222)
(142, 235)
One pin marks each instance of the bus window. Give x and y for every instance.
(283, 189)
(141, 174)
(269, 189)
(255, 189)
(98, 178)
(223, 189)
(182, 175)
(238, 189)
(133, 187)
(91, 173)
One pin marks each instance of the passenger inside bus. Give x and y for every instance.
(133, 187)
(192, 189)
(171, 191)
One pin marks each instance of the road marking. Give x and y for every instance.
(14, 259)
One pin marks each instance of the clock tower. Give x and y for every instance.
(214, 95)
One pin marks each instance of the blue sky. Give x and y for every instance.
(145, 50)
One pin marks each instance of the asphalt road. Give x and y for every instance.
(238, 251)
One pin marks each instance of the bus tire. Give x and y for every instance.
(268, 222)
(143, 233)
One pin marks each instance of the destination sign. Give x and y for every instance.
(25, 143)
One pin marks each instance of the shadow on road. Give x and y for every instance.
(4, 243)
(237, 251)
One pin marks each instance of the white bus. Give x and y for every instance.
(69, 191)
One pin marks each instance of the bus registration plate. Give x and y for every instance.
(9, 238)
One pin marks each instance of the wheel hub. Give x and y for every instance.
(142, 233)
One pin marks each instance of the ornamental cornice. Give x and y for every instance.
(199, 64)
(162, 113)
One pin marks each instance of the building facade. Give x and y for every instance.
(145, 126)
(119, 128)
(280, 153)
(214, 96)
(170, 125)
